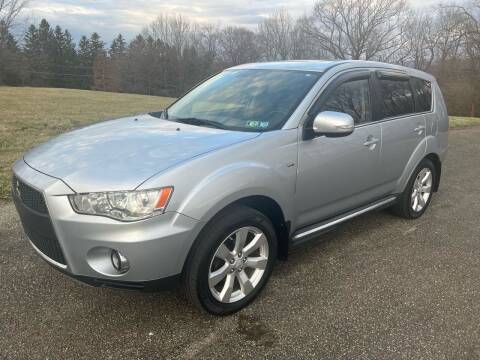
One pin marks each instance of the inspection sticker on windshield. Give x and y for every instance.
(258, 124)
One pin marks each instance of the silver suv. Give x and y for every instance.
(246, 166)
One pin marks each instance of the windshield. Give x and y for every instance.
(245, 100)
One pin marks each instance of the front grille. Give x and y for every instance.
(30, 197)
(35, 218)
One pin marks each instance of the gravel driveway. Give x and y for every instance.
(378, 287)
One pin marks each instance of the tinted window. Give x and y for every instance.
(353, 98)
(397, 98)
(245, 100)
(423, 94)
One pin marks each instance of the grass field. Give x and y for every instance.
(461, 122)
(29, 116)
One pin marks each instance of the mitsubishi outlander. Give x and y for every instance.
(247, 165)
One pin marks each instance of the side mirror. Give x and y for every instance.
(332, 123)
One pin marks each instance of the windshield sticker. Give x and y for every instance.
(258, 124)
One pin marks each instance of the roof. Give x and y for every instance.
(304, 65)
(324, 65)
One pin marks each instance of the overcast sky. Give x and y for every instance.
(110, 17)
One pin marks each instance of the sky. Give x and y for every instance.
(129, 17)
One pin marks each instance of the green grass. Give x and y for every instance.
(461, 122)
(29, 116)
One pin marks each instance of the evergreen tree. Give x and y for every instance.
(134, 75)
(10, 58)
(99, 62)
(31, 44)
(97, 46)
(46, 39)
(118, 47)
(85, 63)
(39, 50)
(84, 50)
(69, 48)
(64, 58)
(116, 64)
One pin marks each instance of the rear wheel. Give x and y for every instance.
(413, 202)
(231, 260)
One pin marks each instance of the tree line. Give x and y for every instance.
(172, 53)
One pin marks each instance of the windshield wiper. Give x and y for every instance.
(197, 121)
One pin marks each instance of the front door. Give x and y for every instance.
(338, 174)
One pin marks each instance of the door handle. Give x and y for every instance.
(371, 141)
(419, 129)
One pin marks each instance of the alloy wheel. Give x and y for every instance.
(422, 190)
(238, 264)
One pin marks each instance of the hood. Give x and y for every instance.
(121, 154)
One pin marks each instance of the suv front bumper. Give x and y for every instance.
(156, 248)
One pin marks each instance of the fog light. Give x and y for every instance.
(119, 262)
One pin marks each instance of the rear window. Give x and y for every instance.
(397, 97)
(423, 94)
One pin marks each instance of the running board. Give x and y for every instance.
(304, 233)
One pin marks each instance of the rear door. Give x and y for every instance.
(337, 174)
(403, 128)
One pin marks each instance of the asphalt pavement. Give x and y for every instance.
(378, 287)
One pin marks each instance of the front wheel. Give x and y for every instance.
(413, 202)
(231, 260)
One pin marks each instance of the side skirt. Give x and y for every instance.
(309, 232)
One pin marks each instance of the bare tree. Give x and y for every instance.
(450, 28)
(9, 11)
(305, 46)
(419, 38)
(472, 33)
(463, 52)
(207, 37)
(173, 30)
(276, 36)
(358, 29)
(237, 46)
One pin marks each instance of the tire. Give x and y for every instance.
(208, 260)
(404, 206)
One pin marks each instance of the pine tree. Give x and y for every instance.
(134, 75)
(31, 47)
(88, 49)
(88, 52)
(33, 55)
(117, 63)
(97, 46)
(46, 38)
(69, 48)
(39, 50)
(98, 58)
(58, 60)
(10, 58)
(64, 58)
(85, 62)
(118, 47)
(84, 50)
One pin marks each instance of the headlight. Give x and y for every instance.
(123, 205)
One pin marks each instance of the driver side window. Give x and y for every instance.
(353, 98)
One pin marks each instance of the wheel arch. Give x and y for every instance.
(271, 209)
(435, 159)
(267, 206)
(425, 150)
